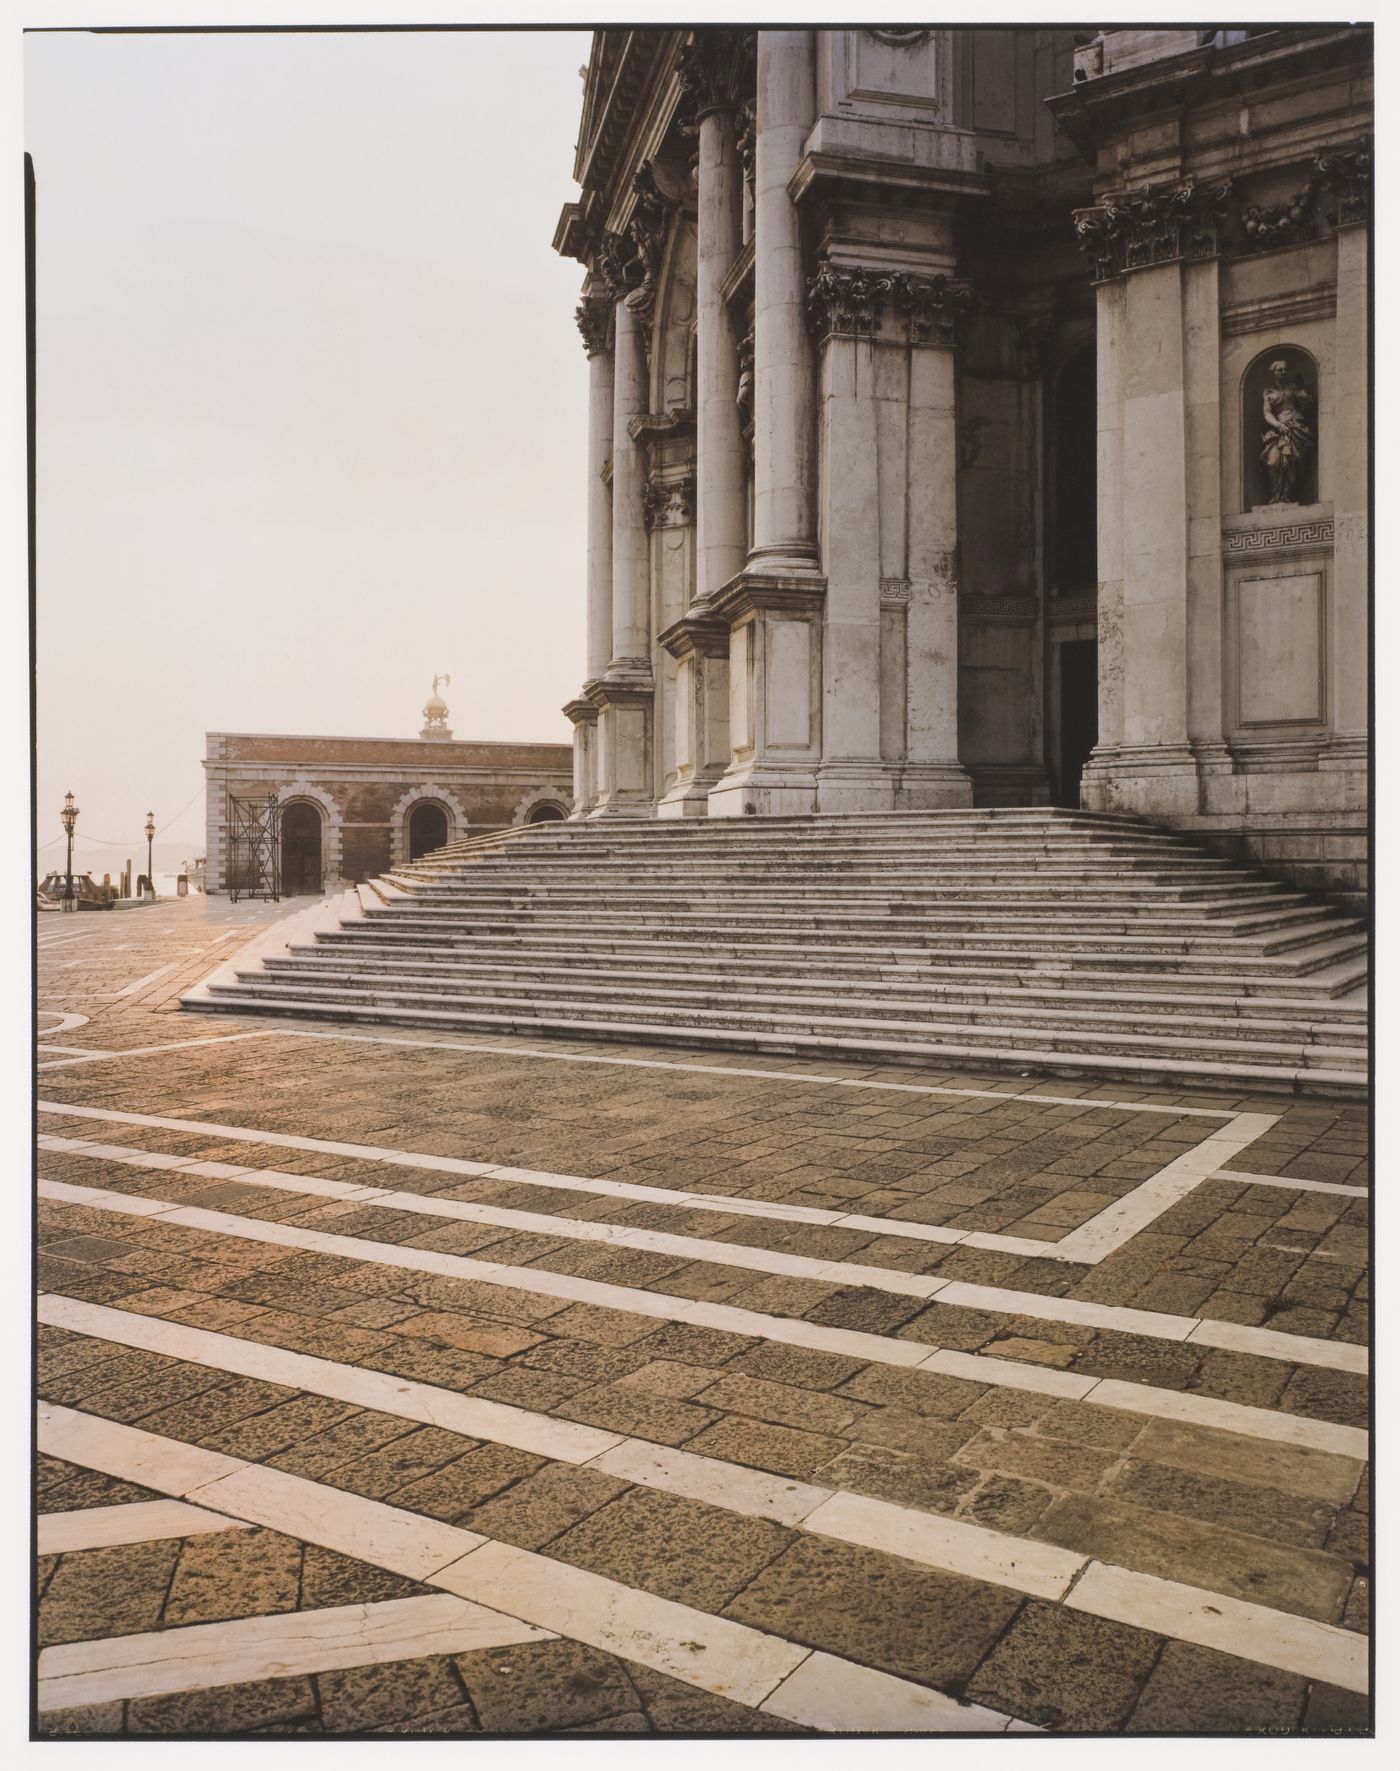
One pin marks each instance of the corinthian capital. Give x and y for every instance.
(933, 306)
(847, 303)
(595, 321)
(1348, 175)
(1157, 225)
(713, 69)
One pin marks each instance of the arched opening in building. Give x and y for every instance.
(546, 814)
(427, 830)
(301, 848)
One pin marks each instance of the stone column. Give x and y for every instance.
(773, 606)
(710, 71)
(595, 318)
(595, 321)
(624, 695)
(784, 383)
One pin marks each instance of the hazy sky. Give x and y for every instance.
(310, 398)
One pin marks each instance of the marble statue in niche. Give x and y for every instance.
(1289, 439)
(1280, 426)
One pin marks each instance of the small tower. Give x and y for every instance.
(435, 712)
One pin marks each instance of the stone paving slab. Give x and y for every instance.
(728, 1427)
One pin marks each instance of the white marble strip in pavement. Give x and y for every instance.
(158, 1662)
(1232, 1626)
(790, 1331)
(1120, 1222)
(1094, 1241)
(139, 1521)
(979, 1552)
(1264, 1343)
(71, 1051)
(1341, 1187)
(141, 983)
(733, 1660)
(699, 1248)
(70, 1020)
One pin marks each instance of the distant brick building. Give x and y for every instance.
(355, 807)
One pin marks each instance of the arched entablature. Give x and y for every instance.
(402, 815)
(304, 792)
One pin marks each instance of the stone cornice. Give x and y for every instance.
(698, 630)
(851, 301)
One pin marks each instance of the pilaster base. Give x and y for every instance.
(1150, 780)
(626, 710)
(933, 786)
(767, 793)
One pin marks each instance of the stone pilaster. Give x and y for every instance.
(583, 717)
(889, 538)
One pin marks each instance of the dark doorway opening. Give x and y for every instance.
(427, 830)
(1079, 713)
(545, 815)
(301, 848)
(1074, 463)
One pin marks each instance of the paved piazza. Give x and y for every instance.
(419, 1384)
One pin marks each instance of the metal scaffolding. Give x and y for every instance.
(254, 848)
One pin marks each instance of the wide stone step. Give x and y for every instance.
(1246, 912)
(1236, 958)
(895, 982)
(1326, 980)
(1000, 1054)
(813, 999)
(1164, 936)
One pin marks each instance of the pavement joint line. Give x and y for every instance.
(1341, 1187)
(957, 1294)
(1092, 1242)
(731, 1659)
(140, 1521)
(791, 1331)
(194, 1657)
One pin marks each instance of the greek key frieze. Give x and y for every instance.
(1314, 534)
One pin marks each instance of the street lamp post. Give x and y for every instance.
(69, 815)
(150, 837)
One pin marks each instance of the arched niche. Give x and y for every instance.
(1278, 428)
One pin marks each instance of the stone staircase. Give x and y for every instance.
(1073, 943)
